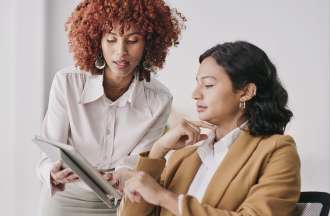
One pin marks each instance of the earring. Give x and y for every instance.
(144, 71)
(147, 66)
(100, 63)
(242, 105)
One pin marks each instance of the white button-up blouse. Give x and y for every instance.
(108, 134)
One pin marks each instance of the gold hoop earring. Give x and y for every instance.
(100, 63)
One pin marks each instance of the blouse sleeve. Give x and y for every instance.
(55, 125)
(161, 104)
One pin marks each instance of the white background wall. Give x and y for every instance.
(21, 89)
(294, 33)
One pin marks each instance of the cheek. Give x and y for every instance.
(107, 50)
(137, 52)
(222, 102)
(216, 99)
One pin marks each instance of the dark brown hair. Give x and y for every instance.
(267, 113)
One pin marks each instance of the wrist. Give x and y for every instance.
(157, 151)
(169, 200)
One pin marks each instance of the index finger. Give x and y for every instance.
(57, 166)
(203, 124)
(123, 175)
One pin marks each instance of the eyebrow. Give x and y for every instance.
(206, 77)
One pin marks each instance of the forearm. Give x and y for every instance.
(157, 151)
(169, 201)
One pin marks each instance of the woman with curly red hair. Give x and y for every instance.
(107, 107)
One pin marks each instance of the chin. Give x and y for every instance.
(204, 116)
(123, 72)
(208, 118)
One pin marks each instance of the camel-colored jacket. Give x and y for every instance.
(258, 176)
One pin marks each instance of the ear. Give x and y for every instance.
(248, 92)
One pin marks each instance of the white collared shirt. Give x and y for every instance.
(108, 134)
(211, 156)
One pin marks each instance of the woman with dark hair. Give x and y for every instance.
(108, 107)
(245, 166)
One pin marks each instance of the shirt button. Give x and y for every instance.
(108, 131)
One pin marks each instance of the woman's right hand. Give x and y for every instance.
(183, 134)
(59, 176)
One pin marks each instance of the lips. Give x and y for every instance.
(201, 108)
(121, 64)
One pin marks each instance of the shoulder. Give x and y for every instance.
(70, 79)
(277, 141)
(71, 74)
(157, 88)
(157, 94)
(69, 83)
(156, 85)
(280, 147)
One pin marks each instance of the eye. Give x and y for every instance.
(136, 38)
(208, 86)
(111, 40)
(132, 41)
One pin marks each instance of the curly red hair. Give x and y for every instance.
(93, 18)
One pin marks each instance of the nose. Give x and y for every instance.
(196, 94)
(121, 48)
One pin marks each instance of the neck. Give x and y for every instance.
(223, 128)
(116, 85)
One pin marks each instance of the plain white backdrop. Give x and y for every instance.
(33, 44)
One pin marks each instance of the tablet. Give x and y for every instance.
(87, 173)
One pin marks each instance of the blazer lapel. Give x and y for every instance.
(238, 153)
(185, 174)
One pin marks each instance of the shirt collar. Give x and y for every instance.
(93, 89)
(126, 98)
(226, 141)
(135, 95)
(207, 151)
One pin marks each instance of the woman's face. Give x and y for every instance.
(123, 52)
(216, 102)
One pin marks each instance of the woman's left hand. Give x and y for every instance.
(142, 186)
(117, 178)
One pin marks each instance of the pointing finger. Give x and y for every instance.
(203, 124)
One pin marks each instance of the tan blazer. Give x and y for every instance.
(258, 176)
